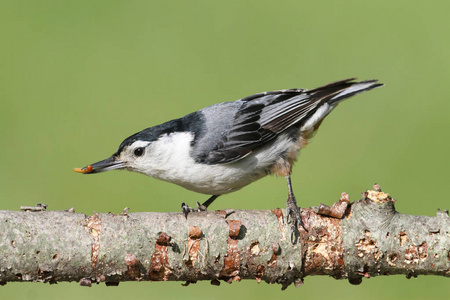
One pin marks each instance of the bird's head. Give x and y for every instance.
(136, 153)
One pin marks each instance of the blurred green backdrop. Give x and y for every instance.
(78, 77)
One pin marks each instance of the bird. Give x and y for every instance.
(226, 146)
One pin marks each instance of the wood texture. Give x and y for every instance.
(371, 239)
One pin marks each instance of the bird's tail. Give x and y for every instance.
(335, 92)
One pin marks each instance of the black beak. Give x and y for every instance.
(101, 166)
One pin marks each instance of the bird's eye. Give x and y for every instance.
(139, 151)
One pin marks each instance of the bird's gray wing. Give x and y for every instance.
(261, 117)
(256, 122)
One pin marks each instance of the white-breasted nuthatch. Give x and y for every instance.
(224, 147)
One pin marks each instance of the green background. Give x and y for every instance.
(77, 77)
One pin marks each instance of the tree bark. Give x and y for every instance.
(349, 241)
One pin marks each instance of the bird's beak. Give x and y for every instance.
(101, 166)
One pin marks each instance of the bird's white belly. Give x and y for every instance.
(217, 179)
(173, 163)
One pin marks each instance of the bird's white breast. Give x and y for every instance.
(171, 161)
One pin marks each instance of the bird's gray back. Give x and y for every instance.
(217, 121)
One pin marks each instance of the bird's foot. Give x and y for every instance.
(187, 209)
(294, 217)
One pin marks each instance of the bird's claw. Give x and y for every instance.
(187, 209)
(294, 217)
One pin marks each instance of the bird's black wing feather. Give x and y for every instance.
(260, 118)
(263, 116)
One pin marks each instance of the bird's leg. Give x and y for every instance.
(293, 212)
(200, 207)
(208, 202)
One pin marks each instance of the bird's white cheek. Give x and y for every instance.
(165, 156)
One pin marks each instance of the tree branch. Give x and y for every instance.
(370, 239)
